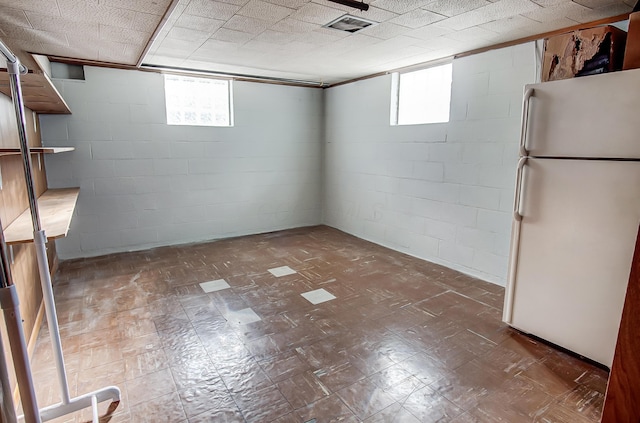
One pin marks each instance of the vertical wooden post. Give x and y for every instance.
(622, 401)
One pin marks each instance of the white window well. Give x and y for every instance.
(422, 96)
(198, 101)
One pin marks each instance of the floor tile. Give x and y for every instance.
(282, 271)
(213, 286)
(395, 413)
(327, 410)
(303, 389)
(429, 406)
(404, 340)
(242, 317)
(318, 296)
(364, 398)
(262, 405)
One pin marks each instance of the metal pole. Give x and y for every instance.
(8, 295)
(39, 236)
(7, 408)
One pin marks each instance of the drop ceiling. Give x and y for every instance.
(281, 38)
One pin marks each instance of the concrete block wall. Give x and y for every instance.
(144, 183)
(442, 192)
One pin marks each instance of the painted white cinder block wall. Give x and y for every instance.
(144, 183)
(442, 192)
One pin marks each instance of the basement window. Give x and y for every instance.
(422, 96)
(197, 101)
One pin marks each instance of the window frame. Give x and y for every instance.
(229, 100)
(396, 79)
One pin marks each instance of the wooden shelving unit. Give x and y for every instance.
(56, 209)
(36, 150)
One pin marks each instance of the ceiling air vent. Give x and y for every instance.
(350, 23)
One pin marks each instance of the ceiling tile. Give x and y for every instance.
(510, 24)
(211, 9)
(283, 37)
(133, 51)
(555, 12)
(217, 46)
(547, 3)
(122, 35)
(193, 35)
(176, 48)
(293, 4)
(39, 6)
(169, 61)
(57, 23)
(600, 12)
(236, 2)
(399, 6)
(472, 34)
(452, 8)
(32, 45)
(593, 4)
(185, 46)
(246, 24)
(199, 23)
(224, 34)
(332, 32)
(417, 18)
(320, 37)
(428, 32)
(273, 37)
(86, 12)
(494, 11)
(147, 6)
(144, 22)
(541, 27)
(384, 30)
(28, 34)
(13, 17)
(374, 14)
(294, 26)
(355, 41)
(315, 13)
(266, 11)
(67, 51)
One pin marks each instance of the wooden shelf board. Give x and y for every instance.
(56, 208)
(37, 150)
(38, 92)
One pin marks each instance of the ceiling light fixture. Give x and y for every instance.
(353, 3)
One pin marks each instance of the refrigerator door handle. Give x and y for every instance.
(517, 216)
(524, 127)
(507, 313)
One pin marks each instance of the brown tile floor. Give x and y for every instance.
(403, 341)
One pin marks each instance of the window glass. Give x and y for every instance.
(422, 96)
(197, 101)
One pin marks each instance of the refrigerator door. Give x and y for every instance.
(576, 241)
(594, 116)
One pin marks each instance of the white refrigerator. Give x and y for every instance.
(576, 211)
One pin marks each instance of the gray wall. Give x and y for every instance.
(144, 183)
(442, 192)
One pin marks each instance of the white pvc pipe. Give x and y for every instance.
(78, 403)
(7, 407)
(40, 239)
(13, 321)
(94, 408)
